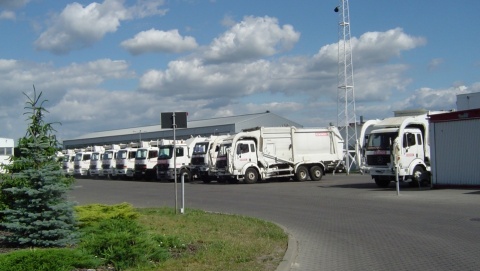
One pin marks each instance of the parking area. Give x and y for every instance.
(339, 223)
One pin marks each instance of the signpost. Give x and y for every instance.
(174, 120)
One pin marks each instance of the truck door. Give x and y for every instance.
(244, 153)
(412, 148)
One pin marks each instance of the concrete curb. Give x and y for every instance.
(290, 255)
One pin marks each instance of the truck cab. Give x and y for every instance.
(68, 159)
(96, 161)
(82, 162)
(169, 165)
(204, 157)
(146, 161)
(125, 162)
(397, 146)
(108, 161)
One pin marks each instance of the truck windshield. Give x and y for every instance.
(165, 152)
(95, 156)
(78, 156)
(108, 155)
(66, 158)
(200, 148)
(122, 154)
(141, 154)
(223, 149)
(380, 141)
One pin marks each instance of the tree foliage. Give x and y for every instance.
(33, 194)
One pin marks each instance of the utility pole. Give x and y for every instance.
(346, 118)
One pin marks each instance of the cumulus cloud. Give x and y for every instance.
(159, 41)
(80, 26)
(252, 38)
(434, 99)
(379, 47)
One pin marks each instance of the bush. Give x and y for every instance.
(122, 243)
(87, 214)
(55, 259)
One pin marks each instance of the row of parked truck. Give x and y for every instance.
(395, 148)
(257, 154)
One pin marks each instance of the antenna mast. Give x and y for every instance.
(346, 119)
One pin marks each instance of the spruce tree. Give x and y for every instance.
(36, 212)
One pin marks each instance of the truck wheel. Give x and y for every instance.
(302, 174)
(382, 183)
(418, 176)
(316, 173)
(251, 176)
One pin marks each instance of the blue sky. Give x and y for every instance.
(116, 64)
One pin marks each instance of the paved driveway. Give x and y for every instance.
(340, 223)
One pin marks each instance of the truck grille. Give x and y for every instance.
(93, 166)
(77, 166)
(140, 167)
(105, 166)
(198, 160)
(162, 166)
(378, 160)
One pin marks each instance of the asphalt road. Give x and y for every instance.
(339, 223)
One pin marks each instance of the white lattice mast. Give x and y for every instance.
(346, 120)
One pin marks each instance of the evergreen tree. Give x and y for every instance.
(35, 211)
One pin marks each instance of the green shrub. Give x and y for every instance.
(87, 214)
(55, 259)
(122, 243)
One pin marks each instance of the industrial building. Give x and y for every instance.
(454, 148)
(206, 127)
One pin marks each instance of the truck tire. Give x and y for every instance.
(316, 173)
(302, 174)
(382, 183)
(251, 175)
(418, 176)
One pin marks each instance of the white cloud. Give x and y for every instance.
(146, 8)
(252, 38)
(7, 15)
(434, 99)
(80, 26)
(159, 41)
(380, 47)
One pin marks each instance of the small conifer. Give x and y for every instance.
(36, 212)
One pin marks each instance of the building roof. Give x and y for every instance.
(456, 115)
(221, 125)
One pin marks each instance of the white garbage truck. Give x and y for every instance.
(125, 161)
(394, 145)
(167, 162)
(68, 162)
(146, 160)
(82, 162)
(96, 161)
(108, 161)
(264, 153)
(204, 157)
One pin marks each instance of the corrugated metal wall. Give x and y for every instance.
(456, 152)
